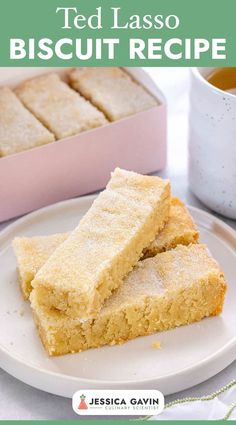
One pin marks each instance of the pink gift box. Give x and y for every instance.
(82, 164)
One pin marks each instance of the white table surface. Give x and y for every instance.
(20, 401)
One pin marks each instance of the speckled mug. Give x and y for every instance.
(212, 144)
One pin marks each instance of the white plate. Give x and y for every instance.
(189, 355)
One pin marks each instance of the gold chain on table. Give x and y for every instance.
(203, 398)
(227, 416)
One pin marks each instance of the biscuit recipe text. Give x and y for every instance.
(112, 22)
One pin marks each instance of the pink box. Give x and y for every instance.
(82, 164)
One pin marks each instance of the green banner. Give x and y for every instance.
(109, 422)
(110, 32)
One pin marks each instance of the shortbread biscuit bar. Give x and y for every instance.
(174, 288)
(33, 252)
(112, 91)
(58, 107)
(109, 240)
(19, 129)
(179, 230)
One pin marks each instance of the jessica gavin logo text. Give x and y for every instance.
(122, 402)
(109, 402)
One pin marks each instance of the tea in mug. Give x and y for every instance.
(224, 79)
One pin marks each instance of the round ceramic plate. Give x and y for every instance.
(189, 355)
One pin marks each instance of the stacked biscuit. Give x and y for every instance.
(46, 108)
(132, 267)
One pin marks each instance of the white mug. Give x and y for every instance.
(212, 144)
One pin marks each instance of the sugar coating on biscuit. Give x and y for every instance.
(33, 252)
(108, 242)
(19, 129)
(58, 107)
(174, 288)
(112, 90)
(180, 229)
